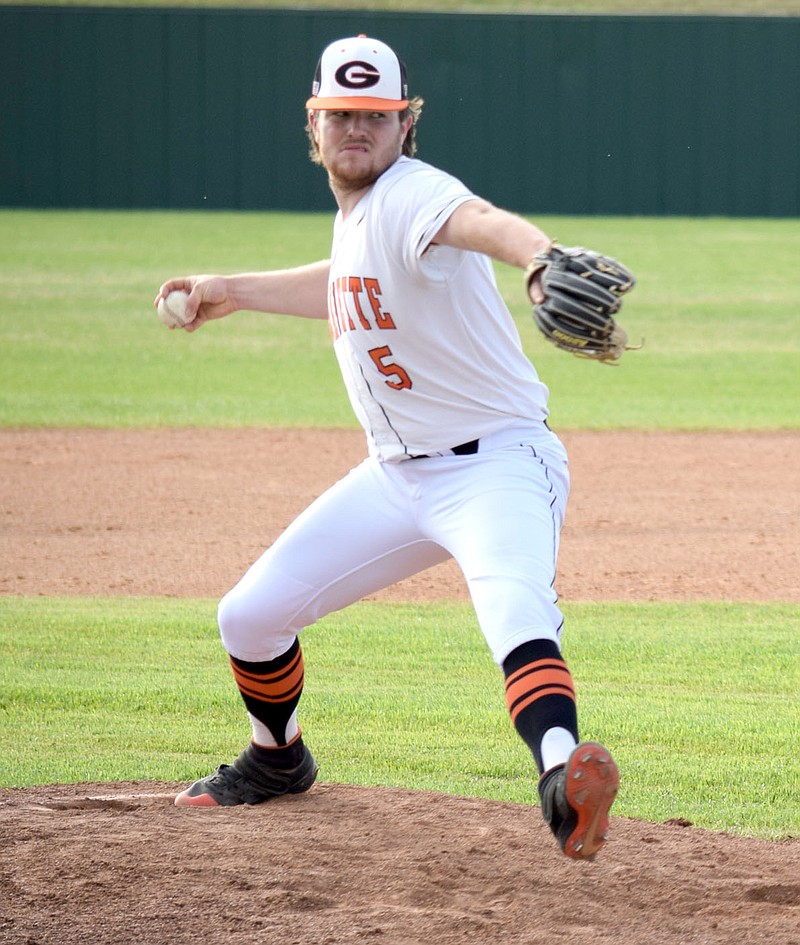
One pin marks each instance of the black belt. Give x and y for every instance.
(463, 449)
(466, 448)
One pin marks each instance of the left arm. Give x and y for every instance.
(479, 226)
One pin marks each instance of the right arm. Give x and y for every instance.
(301, 291)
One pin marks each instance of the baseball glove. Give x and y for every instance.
(582, 293)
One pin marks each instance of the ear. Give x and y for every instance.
(405, 126)
(312, 124)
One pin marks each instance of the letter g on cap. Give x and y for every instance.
(357, 75)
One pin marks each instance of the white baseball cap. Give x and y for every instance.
(359, 73)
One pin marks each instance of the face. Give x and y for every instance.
(356, 147)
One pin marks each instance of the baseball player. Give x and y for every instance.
(461, 460)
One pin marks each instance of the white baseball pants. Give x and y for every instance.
(497, 512)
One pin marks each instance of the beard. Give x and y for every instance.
(346, 181)
(348, 176)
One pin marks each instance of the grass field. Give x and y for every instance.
(699, 701)
(100, 690)
(81, 345)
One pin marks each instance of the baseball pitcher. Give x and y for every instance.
(461, 462)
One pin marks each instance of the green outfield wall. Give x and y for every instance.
(182, 108)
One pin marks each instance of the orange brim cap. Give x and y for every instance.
(359, 74)
(358, 103)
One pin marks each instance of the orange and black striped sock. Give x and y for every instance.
(272, 689)
(540, 694)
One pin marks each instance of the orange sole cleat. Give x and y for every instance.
(185, 799)
(591, 782)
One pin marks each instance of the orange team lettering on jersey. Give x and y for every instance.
(382, 319)
(338, 319)
(353, 289)
(345, 305)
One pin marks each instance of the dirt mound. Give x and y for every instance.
(344, 865)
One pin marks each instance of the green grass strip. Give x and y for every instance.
(80, 344)
(698, 701)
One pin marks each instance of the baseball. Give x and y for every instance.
(172, 309)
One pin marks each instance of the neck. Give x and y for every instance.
(347, 196)
(348, 191)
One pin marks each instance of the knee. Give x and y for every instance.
(235, 628)
(246, 630)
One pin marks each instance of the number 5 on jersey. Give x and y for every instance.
(396, 376)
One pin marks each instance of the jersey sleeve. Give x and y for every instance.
(416, 207)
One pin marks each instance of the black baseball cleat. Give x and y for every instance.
(249, 780)
(576, 798)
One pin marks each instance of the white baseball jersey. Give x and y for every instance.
(429, 352)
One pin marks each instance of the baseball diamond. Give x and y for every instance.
(349, 864)
(458, 485)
